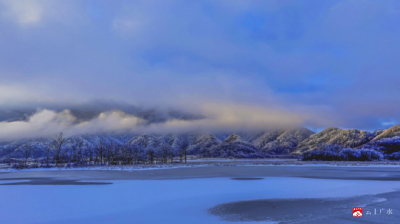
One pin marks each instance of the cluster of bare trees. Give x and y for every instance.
(76, 152)
(327, 152)
(182, 146)
(26, 150)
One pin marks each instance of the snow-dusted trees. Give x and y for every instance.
(99, 150)
(234, 147)
(111, 152)
(57, 145)
(182, 145)
(165, 151)
(281, 142)
(154, 148)
(337, 153)
(202, 143)
(46, 149)
(387, 145)
(394, 156)
(156, 153)
(335, 136)
(151, 153)
(266, 138)
(360, 155)
(125, 154)
(89, 152)
(26, 150)
(75, 152)
(138, 154)
(169, 152)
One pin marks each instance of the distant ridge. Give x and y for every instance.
(286, 142)
(335, 136)
(234, 147)
(388, 133)
(294, 141)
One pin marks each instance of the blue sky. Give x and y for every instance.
(315, 63)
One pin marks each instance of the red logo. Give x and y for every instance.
(357, 211)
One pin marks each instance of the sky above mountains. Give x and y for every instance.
(238, 63)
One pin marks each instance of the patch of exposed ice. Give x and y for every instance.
(12, 181)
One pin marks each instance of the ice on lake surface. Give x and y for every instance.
(12, 181)
(162, 201)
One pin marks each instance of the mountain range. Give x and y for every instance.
(294, 141)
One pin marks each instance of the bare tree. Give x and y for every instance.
(182, 146)
(138, 154)
(58, 146)
(111, 152)
(89, 152)
(165, 151)
(26, 150)
(76, 148)
(125, 154)
(151, 154)
(47, 149)
(100, 150)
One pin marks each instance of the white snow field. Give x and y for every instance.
(162, 201)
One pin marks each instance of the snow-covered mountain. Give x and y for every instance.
(335, 136)
(172, 139)
(234, 147)
(147, 141)
(202, 143)
(198, 142)
(286, 142)
(387, 141)
(110, 138)
(169, 139)
(274, 142)
(388, 133)
(266, 138)
(250, 136)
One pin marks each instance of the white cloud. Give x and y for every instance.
(222, 117)
(109, 121)
(34, 12)
(45, 123)
(24, 11)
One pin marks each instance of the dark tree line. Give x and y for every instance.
(75, 152)
(337, 153)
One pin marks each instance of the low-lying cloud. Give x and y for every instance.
(217, 118)
(45, 123)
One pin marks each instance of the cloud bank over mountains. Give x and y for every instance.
(213, 118)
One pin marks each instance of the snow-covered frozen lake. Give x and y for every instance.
(163, 201)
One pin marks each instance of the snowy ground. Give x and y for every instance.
(222, 162)
(162, 201)
(142, 197)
